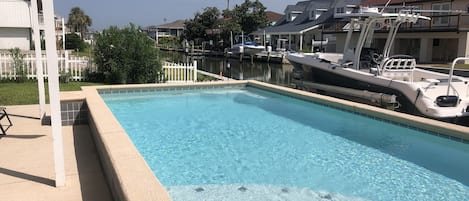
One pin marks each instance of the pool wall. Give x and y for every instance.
(129, 176)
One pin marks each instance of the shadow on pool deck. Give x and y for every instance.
(27, 164)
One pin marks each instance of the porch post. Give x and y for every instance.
(301, 41)
(38, 51)
(54, 95)
(425, 53)
(463, 45)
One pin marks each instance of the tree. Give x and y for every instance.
(250, 15)
(78, 21)
(196, 27)
(126, 55)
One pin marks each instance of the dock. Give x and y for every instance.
(264, 56)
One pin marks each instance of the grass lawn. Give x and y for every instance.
(12, 93)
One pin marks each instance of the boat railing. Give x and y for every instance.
(451, 71)
(398, 67)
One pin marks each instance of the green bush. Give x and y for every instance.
(74, 42)
(126, 55)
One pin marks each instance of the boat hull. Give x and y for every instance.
(330, 78)
(413, 96)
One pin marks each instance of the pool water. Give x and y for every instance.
(243, 141)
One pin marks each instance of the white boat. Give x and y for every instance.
(435, 95)
(247, 48)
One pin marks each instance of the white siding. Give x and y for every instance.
(14, 14)
(14, 37)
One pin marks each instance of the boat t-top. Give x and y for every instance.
(420, 91)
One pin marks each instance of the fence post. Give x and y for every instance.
(195, 70)
(66, 62)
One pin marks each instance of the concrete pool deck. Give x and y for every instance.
(27, 164)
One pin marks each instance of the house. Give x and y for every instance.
(440, 40)
(301, 25)
(172, 29)
(16, 26)
(272, 17)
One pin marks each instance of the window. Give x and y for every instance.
(339, 10)
(441, 18)
(293, 15)
(313, 15)
(419, 22)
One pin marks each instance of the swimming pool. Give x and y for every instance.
(242, 141)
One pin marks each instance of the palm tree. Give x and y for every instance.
(78, 21)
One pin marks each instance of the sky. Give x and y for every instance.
(105, 13)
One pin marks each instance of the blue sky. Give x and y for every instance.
(149, 12)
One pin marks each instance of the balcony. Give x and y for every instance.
(438, 23)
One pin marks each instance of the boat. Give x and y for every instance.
(422, 92)
(247, 48)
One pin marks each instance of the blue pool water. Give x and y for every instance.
(222, 144)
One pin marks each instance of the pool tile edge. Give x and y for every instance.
(120, 169)
(426, 124)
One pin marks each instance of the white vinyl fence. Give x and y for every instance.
(179, 72)
(69, 64)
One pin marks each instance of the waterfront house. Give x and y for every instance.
(16, 26)
(440, 40)
(272, 17)
(172, 29)
(301, 25)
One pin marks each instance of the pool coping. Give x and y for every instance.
(130, 177)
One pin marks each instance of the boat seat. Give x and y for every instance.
(400, 67)
(4, 114)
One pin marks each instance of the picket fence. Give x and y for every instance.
(76, 66)
(179, 72)
(72, 65)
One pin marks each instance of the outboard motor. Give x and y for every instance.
(447, 101)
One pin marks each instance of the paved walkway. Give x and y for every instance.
(27, 165)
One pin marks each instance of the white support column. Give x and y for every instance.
(301, 41)
(38, 51)
(63, 33)
(463, 45)
(289, 41)
(54, 94)
(425, 54)
(156, 37)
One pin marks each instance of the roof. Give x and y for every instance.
(383, 2)
(178, 24)
(273, 16)
(302, 22)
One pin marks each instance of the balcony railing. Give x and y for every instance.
(458, 22)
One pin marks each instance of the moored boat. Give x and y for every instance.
(247, 48)
(431, 94)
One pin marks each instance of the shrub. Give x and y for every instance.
(74, 42)
(18, 64)
(126, 55)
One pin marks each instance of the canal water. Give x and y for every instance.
(274, 73)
